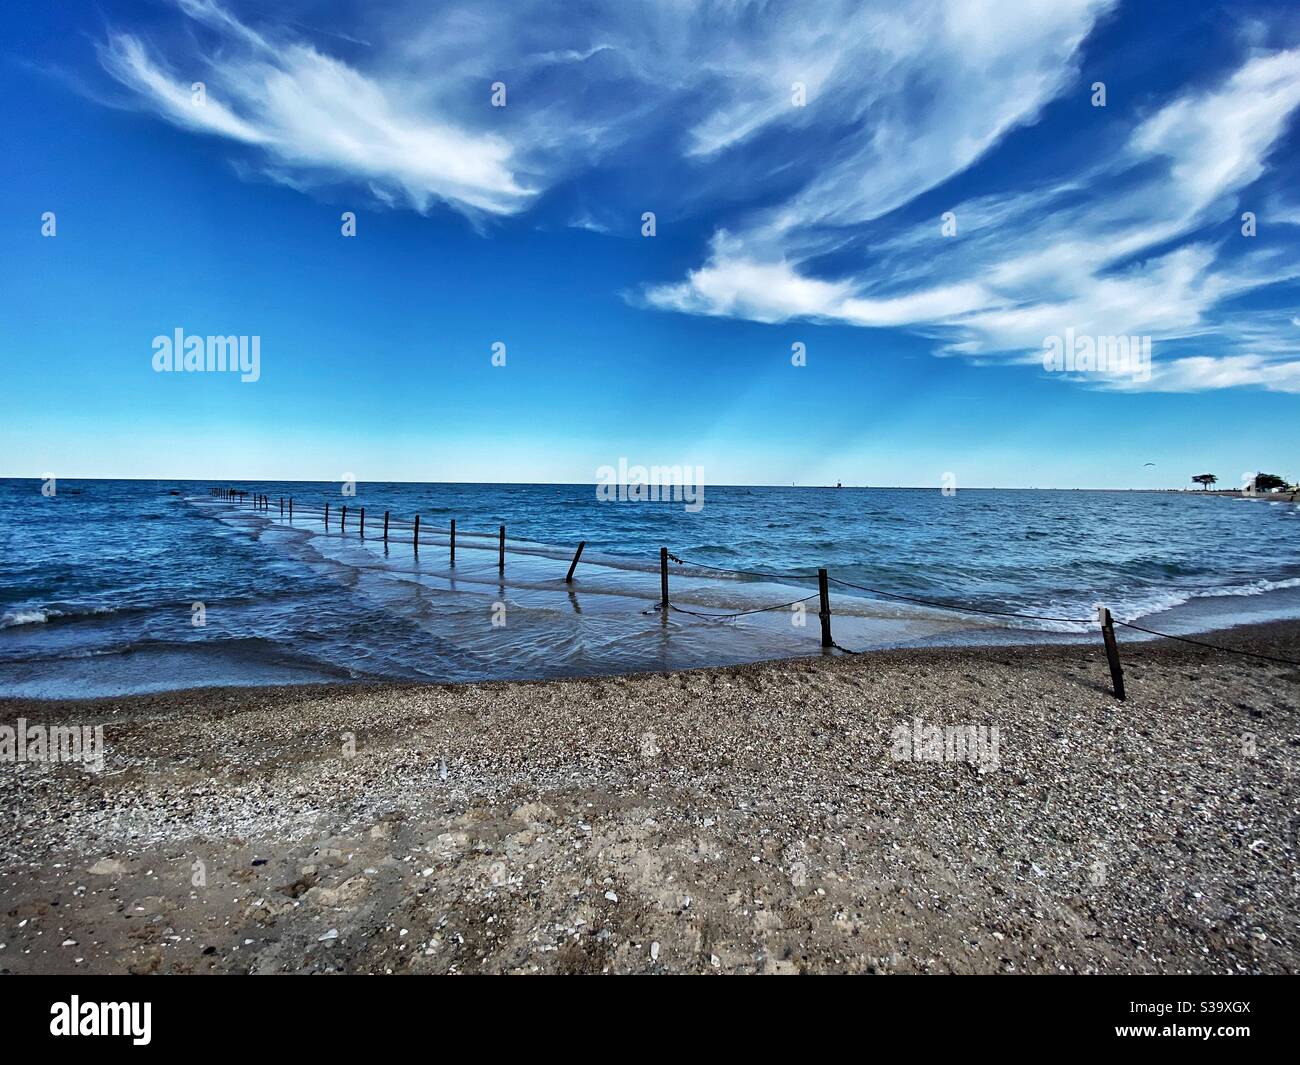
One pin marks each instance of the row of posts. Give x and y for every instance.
(262, 502)
(824, 615)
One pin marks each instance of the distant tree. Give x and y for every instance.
(1205, 480)
(1266, 482)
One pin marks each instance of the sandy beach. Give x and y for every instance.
(754, 819)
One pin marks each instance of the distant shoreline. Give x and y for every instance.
(236, 482)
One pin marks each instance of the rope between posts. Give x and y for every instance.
(742, 613)
(745, 572)
(876, 591)
(1209, 646)
(960, 609)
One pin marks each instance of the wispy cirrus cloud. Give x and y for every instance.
(316, 118)
(1199, 373)
(815, 207)
(1115, 249)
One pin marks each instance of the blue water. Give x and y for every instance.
(98, 583)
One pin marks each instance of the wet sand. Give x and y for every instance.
(752, 819)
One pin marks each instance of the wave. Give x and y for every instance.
(24, 617)
(41, 615)
(1138, 604)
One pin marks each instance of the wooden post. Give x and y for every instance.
(501, 551)
(343, 519)
(415, 536)
(824, 595)
(1112, 651)
(385, 526)
(453, 541)
(291, 508)
(282, 506)
(574, 564)
(327, 516)
(663, 584)
(363, 523)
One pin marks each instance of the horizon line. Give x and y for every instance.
(594, 484)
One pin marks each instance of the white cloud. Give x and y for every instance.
(1091, 253)
(1202, 372)
(316, 117)
(775, 292)
(126, 59)
(903, 95)
(1217, 141)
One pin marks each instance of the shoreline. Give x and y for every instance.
(1195, 618)
(748, 818)
(1273, 633)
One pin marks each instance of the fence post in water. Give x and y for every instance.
(343, 519)
(1112, 651)
(453, 541)
(501, 551)
(385, 526)
(663, 584)
(824, 613)
(363, 523)
(574, 564)
(327, 516)
(415, 536)
(282, 506)
(291, 508)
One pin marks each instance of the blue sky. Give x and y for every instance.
(782, 215)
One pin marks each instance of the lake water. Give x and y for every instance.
(99, 583)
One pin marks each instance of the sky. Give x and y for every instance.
(870, 222)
